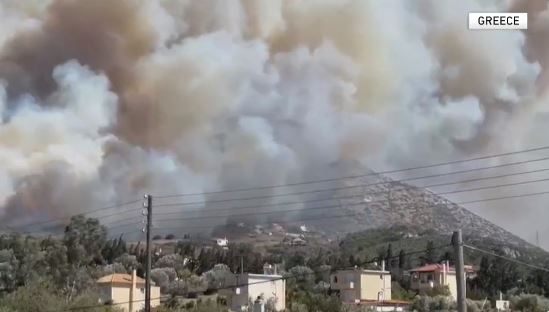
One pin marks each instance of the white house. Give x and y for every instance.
(358, 285)
(369, 288)
(268, 288)
(126, 291)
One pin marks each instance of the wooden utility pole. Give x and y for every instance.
(148, 205)
(457, 241)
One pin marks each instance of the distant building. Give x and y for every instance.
(433, 275)
(126, 291)
(264, 288)
(359, 286)
(277, 227)
(295, 235)
(222, 242)
(295, 239)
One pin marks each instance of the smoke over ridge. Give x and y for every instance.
(101, 101)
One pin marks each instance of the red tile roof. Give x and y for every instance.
(119, 278)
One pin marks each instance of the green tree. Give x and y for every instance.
(352, 260)
(174, 261)
(113, 249)
(161, 279)
(430, 253)
(8, 270)
(84, 239)
(55, 262)
(307, 301)
(402, 261)
(300, 277)
(496, 275)
(129, 262)
(389, 256)
(185, 249)
(219, 276)
(483, 279)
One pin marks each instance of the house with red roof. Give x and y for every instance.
(435, 275)
(126, 292)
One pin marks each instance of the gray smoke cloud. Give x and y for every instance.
(103, 101)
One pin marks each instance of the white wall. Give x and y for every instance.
(437, 280)
(260, 285)
(272, 289)
(120, 295)
(366, 285)
(371, 284)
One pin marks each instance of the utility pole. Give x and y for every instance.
(457, 241)
(148, 213)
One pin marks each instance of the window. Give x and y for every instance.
(335, 279)
(142, 290)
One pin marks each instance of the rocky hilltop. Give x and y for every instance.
(379, 202)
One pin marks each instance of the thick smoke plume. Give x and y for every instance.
(102, 101)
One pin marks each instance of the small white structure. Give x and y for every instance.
(126, 291)
(502, 305)
(270, 269)
(222, 242)
(269, 288)
(304, 229)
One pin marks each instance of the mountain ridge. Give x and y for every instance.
(381, 202)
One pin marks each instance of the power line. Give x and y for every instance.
(326, 207)
(115, 225)
(493, 186)
(335, 189)
(506, 258)
(332, 189)
(503, 197)
(338, 198)
(354, 186)
(278, 222)
(359, 176)
(338, 205)
(64, 218)
(325, 190)
(346, 205)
